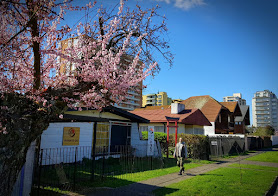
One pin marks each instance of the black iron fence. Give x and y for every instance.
(74, 168)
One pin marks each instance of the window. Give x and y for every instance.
(156, 128)
(102, 137)
(159, 101)
(159, 96)
(198, 131)
(159, 129)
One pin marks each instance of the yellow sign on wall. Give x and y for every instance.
(71, 136)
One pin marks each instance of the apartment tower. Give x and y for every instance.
(236, 97)
(265, 109)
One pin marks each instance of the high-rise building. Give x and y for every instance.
(265, 109)
(133, 99)
(236, 97)
(158, 99)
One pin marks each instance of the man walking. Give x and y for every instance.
(180, 153)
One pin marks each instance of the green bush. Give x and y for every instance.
(264, 131)
(197, 145)
(161, 137)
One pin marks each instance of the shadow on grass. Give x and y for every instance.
(164, 191)
(89, 188)
(189, 174)
(111, 173)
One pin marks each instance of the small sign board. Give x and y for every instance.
(71, 136)
(150, 150)
(213, 143)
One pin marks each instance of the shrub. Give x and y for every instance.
(197, 145)
(264, 131)
(161, 137)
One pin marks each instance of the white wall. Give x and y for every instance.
(52, 143)
(274, 140)
(54, 152)
(140, 145)
(210, 130)
(52, 137)
(228, 135)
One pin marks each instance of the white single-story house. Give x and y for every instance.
(115, 129)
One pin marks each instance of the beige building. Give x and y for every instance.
(158, 99)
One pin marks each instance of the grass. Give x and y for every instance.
(224, 181)
(254, 167)
(122, 180)
(271, 156)
(122, 175)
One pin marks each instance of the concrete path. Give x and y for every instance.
(144, 188)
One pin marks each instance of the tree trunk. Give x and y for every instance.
(24, 121)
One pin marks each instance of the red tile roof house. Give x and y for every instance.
(191, 121)
(220, 115)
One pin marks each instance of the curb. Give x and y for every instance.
(273, 188)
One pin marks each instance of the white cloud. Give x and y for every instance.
(185, 4)
(166, 1)
(188, 4)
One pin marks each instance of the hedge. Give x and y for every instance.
(197, 145)
(161, 137)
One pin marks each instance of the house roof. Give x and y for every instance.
(111, 109)
(245, 115)
(126, 114)
(233, 107)
(209, 106)
(190, 116)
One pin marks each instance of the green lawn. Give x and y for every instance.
(122, 176)
(224, 181)
(271, 156)
(122, 180)
(254, 167)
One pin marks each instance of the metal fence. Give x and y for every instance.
(223, 146)
(74, 168)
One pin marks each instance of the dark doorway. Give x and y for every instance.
(120, 136)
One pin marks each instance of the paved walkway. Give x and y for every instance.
(144, 188)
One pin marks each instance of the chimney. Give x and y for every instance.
(176, 108)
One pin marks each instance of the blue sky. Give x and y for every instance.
(221, 47)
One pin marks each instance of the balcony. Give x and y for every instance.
(262, 100)
(132, 92)
(262, 113)
(130, 103)
(261, 109)
(151, 101)
(150, 98)
(132, 98)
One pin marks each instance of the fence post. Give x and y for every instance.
(103, 163)
(151, 162)
(74, 174)
(94, 152)
(40, 166)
